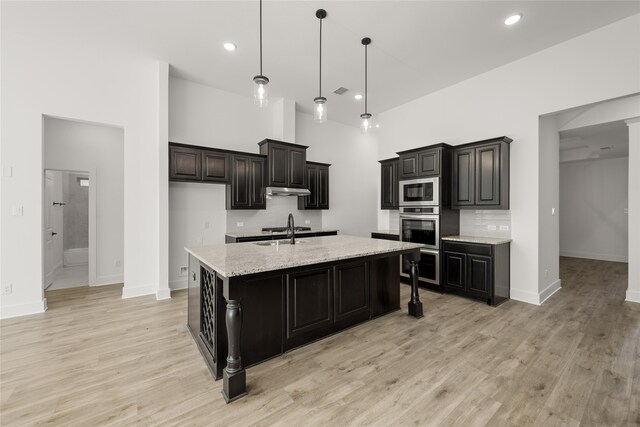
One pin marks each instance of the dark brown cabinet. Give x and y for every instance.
(185, 164)
(420, 162)
(318, 184)
(287, 163)
(216, 166)
(389, 183)
(479, 271)
(481, 175)
(351, 290)
(247, 189)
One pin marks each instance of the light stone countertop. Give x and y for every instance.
(477, 239)
(239, 234)
(394, 232)
(240, 259)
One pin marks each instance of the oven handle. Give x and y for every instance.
(408, 216)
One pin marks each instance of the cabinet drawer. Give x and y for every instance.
(468, 248)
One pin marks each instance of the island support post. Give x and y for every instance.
(415, 306)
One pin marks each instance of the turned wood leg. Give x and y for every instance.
(415, 306)
(234, 378)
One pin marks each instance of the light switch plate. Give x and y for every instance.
(553, 211)
(239, 224)
(183, 271)
(504, 228)
(17, 211)
(491, 227)
(7, 289)
(307, 221)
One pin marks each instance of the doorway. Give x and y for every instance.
(66, 229)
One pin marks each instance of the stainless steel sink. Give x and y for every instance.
(277, 242)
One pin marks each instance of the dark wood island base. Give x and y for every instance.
(242, 320)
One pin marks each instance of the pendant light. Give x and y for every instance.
(260, 82)
(366, 117)
(320, 107)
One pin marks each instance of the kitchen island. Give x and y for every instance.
(249, 302)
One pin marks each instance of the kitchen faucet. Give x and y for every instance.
(291, 229)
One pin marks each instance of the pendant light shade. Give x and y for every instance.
(260, 82)
(366, 116)
(320, 102)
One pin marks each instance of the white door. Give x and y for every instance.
(52, 225)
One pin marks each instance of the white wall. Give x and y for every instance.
(633, 289)
(603, 64)
(76, 146)
(41, 78)
(353, 176)
(593, 197)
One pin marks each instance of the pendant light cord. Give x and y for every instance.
(320, 82)
(260, 37)
(366, 96)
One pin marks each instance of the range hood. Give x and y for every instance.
(284, 191)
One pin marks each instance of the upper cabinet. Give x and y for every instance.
(247, 189)
(286, 163)
(420, 162)
(389, 183)
(481, 175)
(197, 164)
(318, 184)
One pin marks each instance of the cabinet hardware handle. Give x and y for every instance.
(193, 276)
(53, 233)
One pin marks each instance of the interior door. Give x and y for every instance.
(52, 225)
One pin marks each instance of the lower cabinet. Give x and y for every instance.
(479, 271)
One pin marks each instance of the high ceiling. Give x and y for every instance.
(417, 48)
(602, 141)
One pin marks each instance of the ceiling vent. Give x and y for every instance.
(340, 90)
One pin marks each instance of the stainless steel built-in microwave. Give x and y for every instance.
(419, 192)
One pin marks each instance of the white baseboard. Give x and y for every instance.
(109, 280)
(23, 309)
(550, 290)
(138, 291)
(524, 296)
(163, 294)
(176, 284)
(633, 296)
(601, 257)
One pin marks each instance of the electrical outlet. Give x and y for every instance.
(7, 289)
(239, 224)
(504, 228)
(116, 263)
(307, 221)
(546, 273)
(17, 211)
(206, 225)
(183, 271)
(491, 227)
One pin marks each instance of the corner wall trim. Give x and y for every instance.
(524, 296)
(162, 294)
(17, 310)
(138, 291)
(633, 296)
(550, 290)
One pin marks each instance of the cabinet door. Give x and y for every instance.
(240, 183)
(463, 191)
(323, 187)
(389, 185)
(309, 306)
(185, 164)
(429, 163)
(408, 166)
(215, 167)
(258, 199)
(278, 166)
(454, 268)
(297, 167)
(351, 292)
(311, 201)
(488, 175)
(478, 274)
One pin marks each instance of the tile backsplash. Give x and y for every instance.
(485, 223)
(278, 208)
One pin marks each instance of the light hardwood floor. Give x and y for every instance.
(94, 359)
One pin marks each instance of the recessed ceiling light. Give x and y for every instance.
(513, 19)
(377, 126)
(358, 97)
(229, 46)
